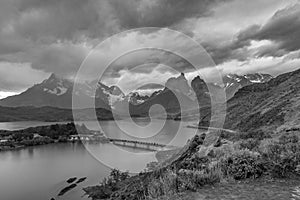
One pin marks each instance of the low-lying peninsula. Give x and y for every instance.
(56, 133)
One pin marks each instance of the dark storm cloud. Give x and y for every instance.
(64, 19)
(144, 61)
(77, 19)
(48, 33)
(160, 13)
(61, 59)
(233, 50)
(282, 29)
(56, 35)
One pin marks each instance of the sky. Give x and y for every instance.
(40, 37)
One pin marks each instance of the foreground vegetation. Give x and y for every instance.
(234, 157)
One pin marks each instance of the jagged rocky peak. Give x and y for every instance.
(53, 77)
(181, 85)
(200, 88)
(197, 82)
(179, 82)
(258, 77)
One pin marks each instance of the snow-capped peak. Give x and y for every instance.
(231, 79)
(56, 85)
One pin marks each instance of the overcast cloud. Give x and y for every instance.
(38, 37)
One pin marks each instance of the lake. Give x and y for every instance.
(40, 172)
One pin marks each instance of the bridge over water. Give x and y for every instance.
(150, 146)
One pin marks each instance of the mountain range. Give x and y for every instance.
(57, 92)
(273, 104)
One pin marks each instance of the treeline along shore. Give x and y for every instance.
(41, 135)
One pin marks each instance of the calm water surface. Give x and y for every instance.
(40, 172)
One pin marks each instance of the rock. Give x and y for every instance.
(66, 189)
(212, 138)
(81, 180)
(204, 151)
(225, 147)
(71, 180)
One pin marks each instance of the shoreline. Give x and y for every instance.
(48, 134)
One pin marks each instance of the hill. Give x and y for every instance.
(269, 106)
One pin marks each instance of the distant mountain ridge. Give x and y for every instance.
(233, 82)
(57, 92)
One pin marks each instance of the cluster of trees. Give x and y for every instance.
(46, 135)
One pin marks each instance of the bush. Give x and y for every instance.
(242, 164)
(282, 158)
(171, 182)
(249, 144)
(259, 135)
(288, 138)
(165, 185)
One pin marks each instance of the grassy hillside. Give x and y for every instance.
(268, 106)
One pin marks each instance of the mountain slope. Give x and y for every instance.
(233, 82)
(269, 106)
(176, 95)
(57, 92)
(51, 92)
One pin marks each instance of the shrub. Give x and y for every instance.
(259, 135)
(171, 182)
(282, 159)
(194, 179)
(288, 138)
(224, 150)
(116, 176)
(249, 144)
(154, 189)
(165, 185)
(242, 164)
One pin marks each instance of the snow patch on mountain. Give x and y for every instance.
(57, 91)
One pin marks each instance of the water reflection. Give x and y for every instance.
(30, 152)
